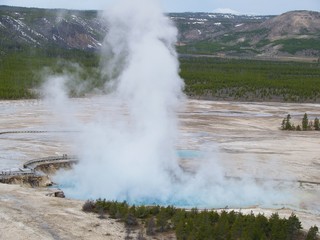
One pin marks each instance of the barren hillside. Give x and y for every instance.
(294, 33)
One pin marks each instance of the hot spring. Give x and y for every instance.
(131, 147)
(221, 160)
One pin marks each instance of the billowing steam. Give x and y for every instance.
(130, 153)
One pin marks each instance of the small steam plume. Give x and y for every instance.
(130, 153)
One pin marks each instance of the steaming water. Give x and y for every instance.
(106, 170)
(131, 154)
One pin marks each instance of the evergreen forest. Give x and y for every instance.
(200, 224)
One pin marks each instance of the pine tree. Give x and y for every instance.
(287, 123)
(150, 226)
(277, 228)
(162, 220)
(305, 122)
(312, 233)
(316, 124)
(293, 226)
(283, 124)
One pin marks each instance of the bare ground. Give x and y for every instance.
(244, 137)
(27, 213)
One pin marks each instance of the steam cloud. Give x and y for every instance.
(130, 153)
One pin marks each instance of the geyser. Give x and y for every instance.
(133, 157)
(130, 153)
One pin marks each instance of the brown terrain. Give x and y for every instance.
(293, 24)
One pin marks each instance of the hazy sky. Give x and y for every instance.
(234, 6)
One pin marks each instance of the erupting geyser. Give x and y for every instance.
(133, 157)
(131, 154)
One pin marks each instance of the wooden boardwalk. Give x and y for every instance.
(32, 164)
(29, 167)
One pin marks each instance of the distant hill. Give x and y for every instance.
(296, 24)
(294, 33)
(42, 28)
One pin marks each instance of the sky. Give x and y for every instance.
(264, 7)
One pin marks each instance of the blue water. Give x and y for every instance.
(187, 154)
(68, 187)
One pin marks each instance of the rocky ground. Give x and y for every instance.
(27, 213)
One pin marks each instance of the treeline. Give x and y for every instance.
(306, 124)
(202, 225)
(21, 71)
(210, 78)
(251, 80)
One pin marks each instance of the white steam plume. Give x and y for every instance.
(130, 154)
(135, 158)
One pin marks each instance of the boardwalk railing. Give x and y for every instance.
(21, 172)
(29, 166)
(70, 158)
(34, 131)
(11, 132)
